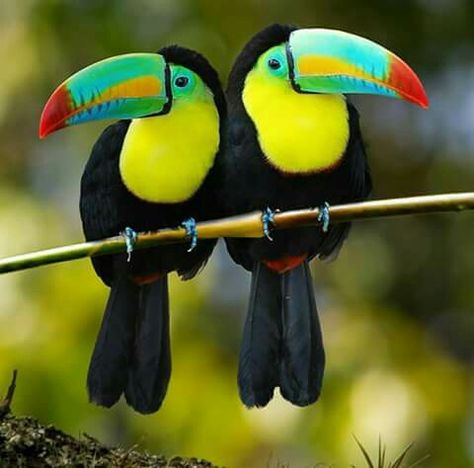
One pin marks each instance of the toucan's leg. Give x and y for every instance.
(191, 232)
(324, 217)
(130, 240)
(268, 217)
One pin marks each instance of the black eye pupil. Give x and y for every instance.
(274, 64)
(181, 81)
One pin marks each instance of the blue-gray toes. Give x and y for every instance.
(323, 217)
(191, 232)
(268, 217)
(130, 240)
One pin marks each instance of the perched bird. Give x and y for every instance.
(294, 142)
(151, 170)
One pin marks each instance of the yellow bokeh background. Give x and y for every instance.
(396, 307)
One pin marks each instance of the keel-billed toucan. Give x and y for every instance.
(295, 142)
(151, 170)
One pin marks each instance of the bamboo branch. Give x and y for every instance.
(247, 225)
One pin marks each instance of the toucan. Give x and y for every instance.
(294, 141)
(153, 168)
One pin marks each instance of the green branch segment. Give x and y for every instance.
(247, 225)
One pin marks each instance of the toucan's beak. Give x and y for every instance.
(123, 87)
(330, 61)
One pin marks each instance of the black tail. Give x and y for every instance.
(282, 342)
(150, 368)
(259, 366)
(302, 357)
(107, 374)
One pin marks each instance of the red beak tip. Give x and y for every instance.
(54, 113)
(423, 102)
(43, 130)
(48, 126)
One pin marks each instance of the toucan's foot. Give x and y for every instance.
(130, 240)
(324, 217)
(191, 232)
(268, 217)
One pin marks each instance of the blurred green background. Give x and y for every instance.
(397, 306)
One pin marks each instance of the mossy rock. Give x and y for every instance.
(24, 442)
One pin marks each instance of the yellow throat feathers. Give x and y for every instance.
(298, 133)
(166, 158)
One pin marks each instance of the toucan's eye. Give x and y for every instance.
(274, 64)
(181, 81)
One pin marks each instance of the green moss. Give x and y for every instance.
(24, 442)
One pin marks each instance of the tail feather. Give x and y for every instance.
(107, 375)
(302, 361)
(150, 369)
(260, 348)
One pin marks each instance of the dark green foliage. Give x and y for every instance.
(381, 457)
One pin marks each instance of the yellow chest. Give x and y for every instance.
(298, 133)
(166, 158)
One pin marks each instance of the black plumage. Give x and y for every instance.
(132, 352)
(282, 344)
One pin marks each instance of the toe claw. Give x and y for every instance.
(130, 240)
(324, 217)
(191, 232)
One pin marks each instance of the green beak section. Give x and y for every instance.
(331, 61)
(123, 87)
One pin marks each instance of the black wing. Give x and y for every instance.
(101, 192)
(358, 186)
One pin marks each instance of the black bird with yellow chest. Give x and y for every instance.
(152, 169)
(294, 142)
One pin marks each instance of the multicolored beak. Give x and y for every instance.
(123, 87)
(329, 61)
